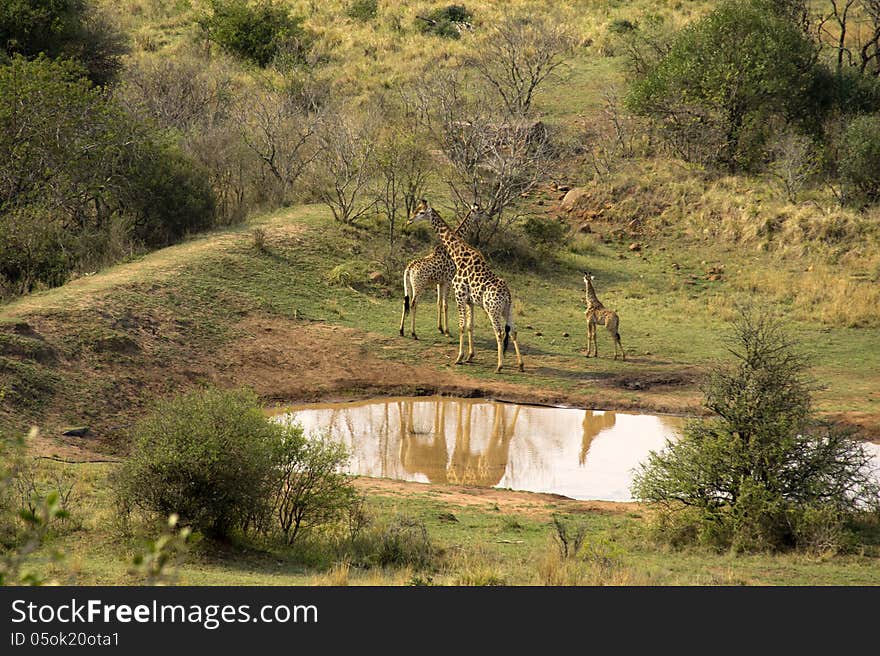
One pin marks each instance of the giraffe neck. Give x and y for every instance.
(465, 224)
(447, 237)
(592, 299)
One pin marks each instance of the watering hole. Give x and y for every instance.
(581, 454)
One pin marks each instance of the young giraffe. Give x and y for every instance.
(597, 314)
(436, 269)
(474, 283)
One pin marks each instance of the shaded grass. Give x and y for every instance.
(498, 542)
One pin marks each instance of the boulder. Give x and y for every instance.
(573, 198)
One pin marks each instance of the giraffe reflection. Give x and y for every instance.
(481, 461)
(594, 423)
(583, 454)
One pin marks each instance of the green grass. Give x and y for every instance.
(487, 541)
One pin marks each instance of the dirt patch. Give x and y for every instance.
(531, 504)
(650, 380)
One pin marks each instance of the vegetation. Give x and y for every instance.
(342, 113)
(208, 457)
(256, 33)
(69, 29)
(446, 21)
(726, 80)
(763, 474)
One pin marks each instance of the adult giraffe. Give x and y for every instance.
(474, 283)
(436, 269)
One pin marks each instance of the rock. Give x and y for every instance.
(714, 277)
(78, 431)
(530, 328)
(635, 247)
(675, 266)
(539, 334)
(572, 198)
(377, 277)
(563, 187)
(566, 335)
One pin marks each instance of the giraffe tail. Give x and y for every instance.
(506, 336)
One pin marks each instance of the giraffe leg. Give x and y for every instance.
(440, 308)
(407, 290)
(462, 323)
(470, 329)
(412, 316)
(519, 360)
(446, 311)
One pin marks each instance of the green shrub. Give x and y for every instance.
(622, 26)
(763, 474)
(106, 181)
(170, 197)
(363, 10)
(255, 32)
(62, 28)
(860, 159)
(724, 81)
(545, 232)
(445, 21)
(405, 542)
(209, 456)
(311, 490)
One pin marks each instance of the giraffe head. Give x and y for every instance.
(422, 212)
(588, 276)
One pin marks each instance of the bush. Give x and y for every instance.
(62, 28)
(860, 160)
(208, 456)
(545, 232)
(405, 542)
(445, 21)
(311, 491)
(256, 33)
(725, 77)
(84, 176)
(763, 474)
(363, 10)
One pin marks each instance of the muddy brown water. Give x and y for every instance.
(581, 454)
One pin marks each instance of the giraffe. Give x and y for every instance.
(474, 283)
(597, 314)
(434, 269)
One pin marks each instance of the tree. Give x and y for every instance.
(256, 32)
(725, 78)
(311, 491)
(77, 168)
(281, 132)
(763, 473)
(345, 166)
(69, 29)
(860, 160)
(209, 456)
(519, 55)
(492, 157)
(403, 166)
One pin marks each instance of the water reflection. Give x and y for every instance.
(583, 454)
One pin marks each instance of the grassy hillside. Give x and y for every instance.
(299, 307)
(94, 351)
